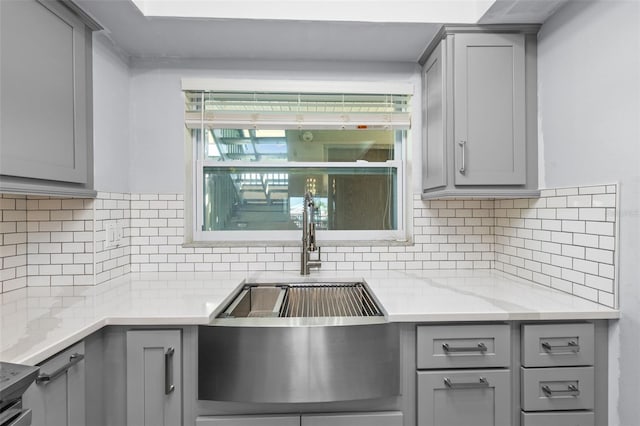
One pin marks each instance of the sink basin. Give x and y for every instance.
(302, 300)
(299, 343)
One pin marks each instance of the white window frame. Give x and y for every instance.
(197, 163)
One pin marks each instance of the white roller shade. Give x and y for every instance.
(296, 111)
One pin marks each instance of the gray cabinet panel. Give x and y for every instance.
(463, 346)
(489, 109)
(563, 388)
(548, 345)
(479, 111)
(434, 150)
(60, 402)
(45, 98)
(558, 419)
(390, 418)
(464, 402)
(154, 360)
(264, 420)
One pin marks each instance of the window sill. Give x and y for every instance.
(358, 243)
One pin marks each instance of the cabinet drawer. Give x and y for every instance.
(264, 420)
(388, 418)
(461, 346)
(558, 419)
(549, 345)
(464, 398)
(567, 388)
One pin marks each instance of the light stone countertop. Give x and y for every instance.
(38, 322)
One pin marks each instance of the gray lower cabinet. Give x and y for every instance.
(480, 113)
(384, 418)
(558, 374)
(58, 399)
(464, 398)
(154, 377)
(558, 419)
(45, 98)
(387, 418)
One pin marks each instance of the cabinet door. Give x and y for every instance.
(43, 104)
(434, 150)
(387, 418)
(154, 378)
(61, 400)
(489, 109)
(464, 398)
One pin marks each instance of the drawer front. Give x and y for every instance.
(464, 398)
(565, 388)
(558, 419)
(462, 346)
(550, 345)
(266, 420)
(390, 418)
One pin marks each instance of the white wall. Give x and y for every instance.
(157, 157)
(589, 111)
(111, 120)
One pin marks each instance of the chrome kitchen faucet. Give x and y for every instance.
(308, 236)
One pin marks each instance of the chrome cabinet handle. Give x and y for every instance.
(44, 378)
(572, 390)
(481, 383)
(571, 346)
(463, 168)
(481, 347)
(168, 371)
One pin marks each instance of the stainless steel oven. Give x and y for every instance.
(14, 380)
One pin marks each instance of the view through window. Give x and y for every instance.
(256, 158)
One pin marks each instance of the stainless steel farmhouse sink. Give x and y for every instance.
(299, 342)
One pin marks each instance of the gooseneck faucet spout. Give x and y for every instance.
(308, 236)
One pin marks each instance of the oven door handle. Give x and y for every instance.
(44, 378)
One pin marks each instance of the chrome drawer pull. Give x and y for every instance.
(44, 378)
(481, 347)
(571, 346)
(572, 390)
(168, 372)
(481, 383)
(463, 167)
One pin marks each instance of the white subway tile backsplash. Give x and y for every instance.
(579, 201)
(545, 240)
(598, 255)
(592, 190)
(573, 246)
(592, 213)
(566, 191)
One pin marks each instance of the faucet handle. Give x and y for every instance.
(312, 237)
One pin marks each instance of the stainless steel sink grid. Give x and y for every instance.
(303, 301)
(299, 343)
(329, 300)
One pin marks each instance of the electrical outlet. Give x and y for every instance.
(114, 233)
(119, 231)
(109, 238)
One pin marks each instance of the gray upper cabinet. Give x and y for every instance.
(434, 153)
(480, 113)
(45, 98)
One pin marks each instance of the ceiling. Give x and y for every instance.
(138, 36)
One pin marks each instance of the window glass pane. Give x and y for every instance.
(346, 198)
(301, 145)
